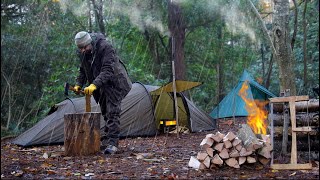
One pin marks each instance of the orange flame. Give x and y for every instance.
(257, 116)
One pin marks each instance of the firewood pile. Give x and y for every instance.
(232, 150)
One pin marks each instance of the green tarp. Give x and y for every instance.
(233, 105)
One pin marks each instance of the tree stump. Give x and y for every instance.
(82, 134)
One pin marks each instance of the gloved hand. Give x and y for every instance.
(77, 89)
(88, 90)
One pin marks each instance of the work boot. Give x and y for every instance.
(110, 150)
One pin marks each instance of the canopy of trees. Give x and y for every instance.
(209, 41)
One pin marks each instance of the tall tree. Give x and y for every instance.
(282, 44)
(177, 29)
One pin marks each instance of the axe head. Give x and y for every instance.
(66, 88)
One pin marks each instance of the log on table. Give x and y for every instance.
(82, 134)
(301, 106)
(302, 119)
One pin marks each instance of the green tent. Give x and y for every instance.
(233, 105)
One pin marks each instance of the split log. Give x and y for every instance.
(227, 143)
(236, 141)
(234, 153)
(263, 160)
(242, 160)
(232, 162)
(206, 143)
(224, 153)
(230, 136)
(265, 152)
(194, 163)
(217, 160)
(301, 106)
(201, 156)
(218, 147)
(210, 152)
(81, 134)
(206, 162)
(302, 119)
(251, 159)
(238, 147)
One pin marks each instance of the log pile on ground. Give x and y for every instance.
(220, 149)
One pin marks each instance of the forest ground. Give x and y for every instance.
(160, 157)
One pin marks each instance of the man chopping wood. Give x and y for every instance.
(108, 82)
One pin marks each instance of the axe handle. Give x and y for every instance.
(88, 99)
(88, 103)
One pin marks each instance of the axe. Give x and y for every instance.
(68, 87)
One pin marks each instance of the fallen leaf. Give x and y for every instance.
(45, 155)
(293, 174)
(2, 176)
(77, 174)
(89, 174)
(274, 170)
(51, 172)
(17, 173)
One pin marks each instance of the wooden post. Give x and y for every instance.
(175, 98)
(82, 134)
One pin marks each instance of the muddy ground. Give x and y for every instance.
(160, 157)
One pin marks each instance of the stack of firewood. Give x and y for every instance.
(219, 149)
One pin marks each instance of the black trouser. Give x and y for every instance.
(111, 113)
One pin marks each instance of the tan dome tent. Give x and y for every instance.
(140, 116)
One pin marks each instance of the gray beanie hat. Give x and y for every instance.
(82, 39)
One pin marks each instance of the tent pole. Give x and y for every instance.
(175, 98)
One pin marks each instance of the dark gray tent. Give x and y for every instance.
(140, 116)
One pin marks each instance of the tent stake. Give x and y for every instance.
(175, 98)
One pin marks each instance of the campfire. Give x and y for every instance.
(257, 115)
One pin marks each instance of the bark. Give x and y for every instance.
(295, 24)
(81, 134)
(177, 29)
(98, 7)
(311, 119)
(305, 59)
(301, 106)
(89, 16)
(284, 55)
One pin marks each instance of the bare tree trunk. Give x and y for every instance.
(89, 16)
(284, 55)
(97, 7)
(305, 57)
(295, 24)
(177, 29)
(267, 84)
(262, 60)
(220, 65)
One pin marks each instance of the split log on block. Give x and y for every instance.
(217, 160)
(224, 154)
(246, 135)
(194, 163)
(239, 147)
(206, 162)
(301, 106)
(218, 147)
(230, 136)
(242, 160)
(234, 153)
(232, 162)
(201, 156)
(251, 159)
(250, 147)
(264, 160)
(206, 143)
(210, 152)
(227, 143)
(302, 119)
(265, 152)
(236, 141)
(82, 134)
